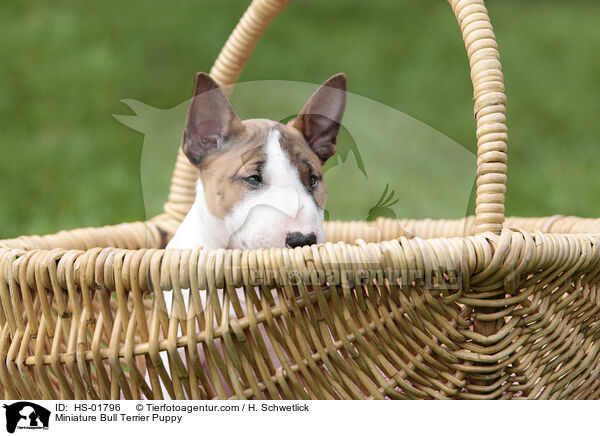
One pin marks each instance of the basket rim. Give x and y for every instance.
(470, 254)
(556, 224)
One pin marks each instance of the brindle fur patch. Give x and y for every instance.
(222, 170)
(305, 160)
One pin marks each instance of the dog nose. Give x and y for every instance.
(297, 239)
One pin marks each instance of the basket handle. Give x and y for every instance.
(488, 93)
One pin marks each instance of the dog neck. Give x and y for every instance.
(200, 227)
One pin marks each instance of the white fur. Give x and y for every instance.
(200, 227)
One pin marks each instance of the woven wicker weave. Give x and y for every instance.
(82, 311)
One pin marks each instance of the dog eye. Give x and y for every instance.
(254, 180)
(313, 181)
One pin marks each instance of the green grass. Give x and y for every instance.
(66, 162)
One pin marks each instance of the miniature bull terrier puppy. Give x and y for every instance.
(260, 182)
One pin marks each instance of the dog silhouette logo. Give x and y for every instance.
(387, 164)
(26, 415)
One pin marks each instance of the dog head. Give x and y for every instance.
(261, 182)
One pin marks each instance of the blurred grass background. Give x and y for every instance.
(65, 162)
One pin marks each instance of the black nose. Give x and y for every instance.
(297, 239)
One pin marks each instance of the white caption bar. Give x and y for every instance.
(298, 417)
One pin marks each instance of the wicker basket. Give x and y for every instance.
(472, 308)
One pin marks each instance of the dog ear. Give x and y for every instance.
(320, 118)
(210, 119)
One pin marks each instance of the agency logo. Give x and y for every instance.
(26, 415)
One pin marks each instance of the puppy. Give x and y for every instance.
(260, 182)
